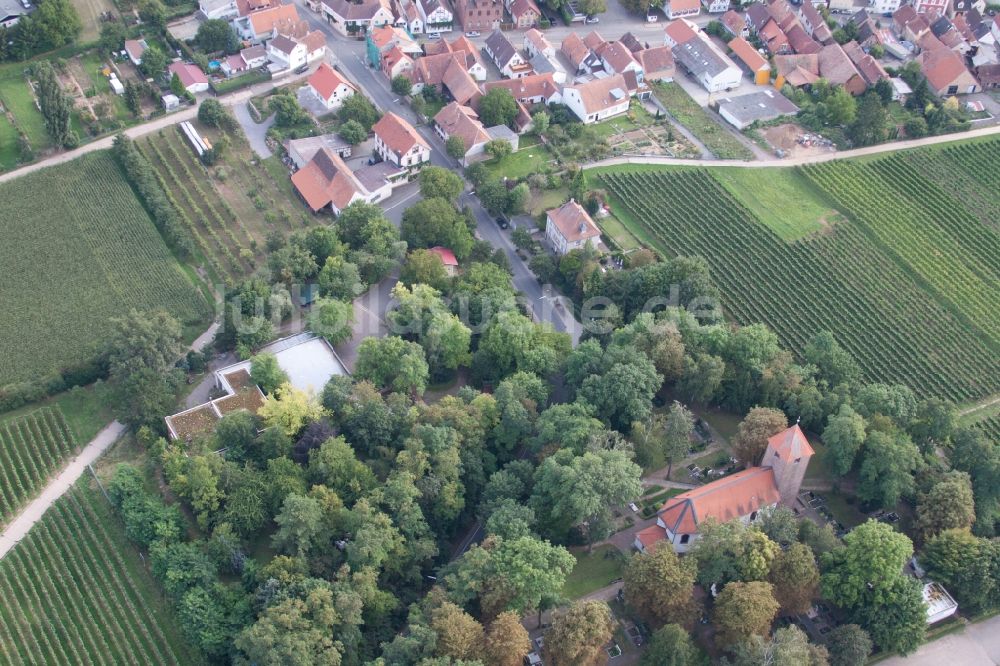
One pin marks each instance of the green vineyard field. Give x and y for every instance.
(854, 279)
(32, 449)
(78, 249)
(75, 592)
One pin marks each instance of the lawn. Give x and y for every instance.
(90, 16)
(8, 144)
(79, 250)
(520, 164)
(769, 197)
(617, 231)
(17, 99)
(593, 570)
(85, 409)
(544, 200)
(688, 113)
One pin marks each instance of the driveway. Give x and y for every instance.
(256, 132)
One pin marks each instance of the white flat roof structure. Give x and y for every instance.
(308, 361)
(939, 603)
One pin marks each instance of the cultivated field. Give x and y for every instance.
(75, 592)
(77, 250)
(32, 449)
(229, 209)
(908, 288)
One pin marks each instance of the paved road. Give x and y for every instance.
(34, 511)
(977, 645)
(350, 56)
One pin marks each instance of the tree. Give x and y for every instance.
(506, 642)
(515, 575)
(871, 124)
(401, 85)
(510, 520)
(701, 377)
(915, 126)
(213, 114)
(843, 436)
(424, 267)
(592, 7)
(623, 394)
(153, 13)
(732, 551)
(287, 111)
(788, 647)
(566, 425)
(497, 107)
(579, 490)
(795, 578)
(332, 320)
(339, 279)
(887, 467)
(360, 109)
(848, 645)
(432, 222)
(659, 585)
(299, 522)
(743, 610)
(756, 428)
(294, 631)
(440, 182)
(352, 132)
(455, 147)
(154, 62)
(113, 36)
(394, 363)
(934, 423)
(899, 624)
(947, 505)
(290, 409)
(671, 645)
(780, 524)
(335, 465)
(55, 104)
(892, 400)
(217, 35)
(834, 363)
(459, 636)
(974, 453)
(841, 108)
(966, 565)
(266, 373)
(498, 148)
(143, 340)
(579, 634)
(677, 431)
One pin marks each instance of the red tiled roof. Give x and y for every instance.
(326, 179)
(325, 80)
(135, 48)
(791, 444)
(446, 255)
(650, 536)
(574, 49)
(265, 20)
(397, 134)
(527, 87)
(679, 31)
(461, 121)
(748, 54)
(189, 74)
(731, 497)
(573, 222)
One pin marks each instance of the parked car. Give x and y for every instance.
(502, 222)
(302, 69)
(472, 33)
(433, 36)
(592, 19)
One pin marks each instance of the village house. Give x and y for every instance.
(579, 55)
(447, 258)
(506, 56)
(798, 70)
(327, 182)
(530, 90)
(735, 24)
(218, 9)
(945, 70)
(740, 496)
(135, 48)
(292, 53)
(328, 86)
(534, 43)
(753, 62)
(598, 99)
(761, 106)
(569, 227)
(524, 13)
(837, 68)
(944, 29)
(397, 142)
(479, 15)
(932, 7)
(396, 63)
(385, 38)
(675, 9)
(347, 17)
(408, 16)
(716, 6)
(617, 59)
(460, 45)
(700, 58)
(870, 68)
(461, 121)
(437, 15)
(264, 24)
(909, 25)
(190, 75)
(813, 22)
(301, 151)
(445, 72)
(799, 40)
(657, 63)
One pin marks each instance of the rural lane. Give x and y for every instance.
(37, 508)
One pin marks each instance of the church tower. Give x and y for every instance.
(788, 455)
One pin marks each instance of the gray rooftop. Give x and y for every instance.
(697, 57)
(764, 105)
(11, 8)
